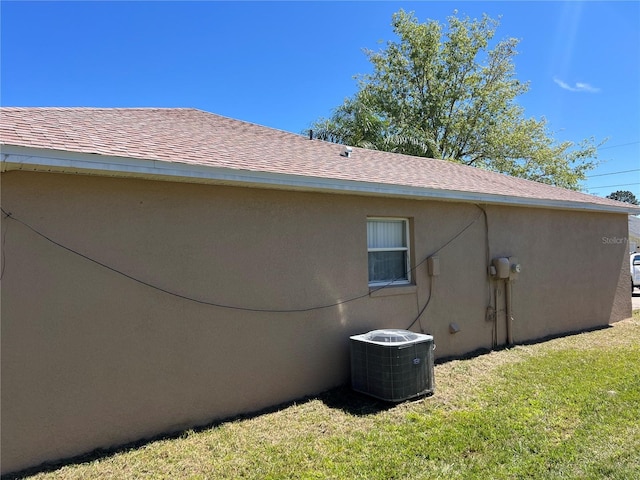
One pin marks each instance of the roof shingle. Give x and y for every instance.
(195, 137)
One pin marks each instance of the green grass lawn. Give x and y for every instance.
(566, 408)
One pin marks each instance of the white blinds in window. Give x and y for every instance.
(386, 234)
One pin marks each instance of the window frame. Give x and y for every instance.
(407, 248)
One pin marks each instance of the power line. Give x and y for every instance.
(614, 173)
(610, 186)
(620, 145)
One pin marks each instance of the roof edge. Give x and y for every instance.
(19, 158)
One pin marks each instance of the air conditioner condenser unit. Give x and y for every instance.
(392, 365)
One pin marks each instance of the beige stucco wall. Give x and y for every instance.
(92, 359)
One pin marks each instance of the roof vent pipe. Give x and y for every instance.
(310, 134)
(347, 152)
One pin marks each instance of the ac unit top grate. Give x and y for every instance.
(391, 336)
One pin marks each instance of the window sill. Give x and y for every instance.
(392, 290)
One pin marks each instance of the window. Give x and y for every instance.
(388, 247)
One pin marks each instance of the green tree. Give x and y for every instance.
(624, 196)
(442, 93)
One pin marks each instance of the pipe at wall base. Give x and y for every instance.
(509, 319)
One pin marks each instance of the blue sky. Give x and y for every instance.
(285, 64)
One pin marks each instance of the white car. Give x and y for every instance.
(634, 263)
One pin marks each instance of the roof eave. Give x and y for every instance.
(46, 160)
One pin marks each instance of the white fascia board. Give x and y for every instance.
(43, 160)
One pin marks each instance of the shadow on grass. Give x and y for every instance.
(354, 403)
(342, 398)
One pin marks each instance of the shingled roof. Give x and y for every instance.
(185, 144)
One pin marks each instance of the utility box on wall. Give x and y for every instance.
(392, 365)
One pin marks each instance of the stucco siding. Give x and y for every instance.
(571, 278)
(93, 359)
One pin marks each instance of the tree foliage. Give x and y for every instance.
(441, 92)
(624, 196)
